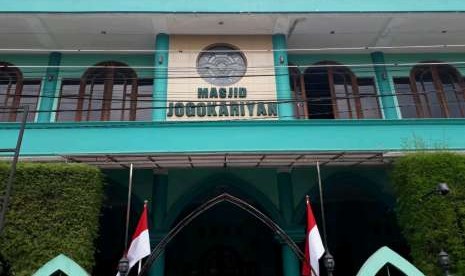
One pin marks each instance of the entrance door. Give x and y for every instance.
(224, 241)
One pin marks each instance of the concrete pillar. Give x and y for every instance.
(283, 88)
(285, 194)
(49, 89)
(158, 266)
(160, 81)
(159, 198)
(159, 203)
(291, 264)
(385, 87)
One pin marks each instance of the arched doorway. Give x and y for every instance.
(242, 211)
(226, 241)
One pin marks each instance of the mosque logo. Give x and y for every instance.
(221, 65)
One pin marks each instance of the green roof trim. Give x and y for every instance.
(384, 256)
(61, 263)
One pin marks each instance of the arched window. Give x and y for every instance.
(334, 92)
(16, 92)
(110, 91)
(438, 91)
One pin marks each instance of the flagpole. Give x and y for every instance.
(328, 259)
(323, 217)
(128, 209)
(140, 261)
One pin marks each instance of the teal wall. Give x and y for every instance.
(225, 137)
(260, 6)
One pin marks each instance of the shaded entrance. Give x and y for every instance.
(225, 241)
(229, 251)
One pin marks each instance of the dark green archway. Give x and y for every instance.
(215, 185)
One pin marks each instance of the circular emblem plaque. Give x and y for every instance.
(221, 65)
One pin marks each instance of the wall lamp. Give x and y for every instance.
(160, 59)
(123, 266)
(444, 262)
(440, 189)
(329, 263)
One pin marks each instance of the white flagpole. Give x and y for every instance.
(322, 205)
(328, 259)
(128, 209)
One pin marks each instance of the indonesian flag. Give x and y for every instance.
(140, 243)
(314, 248)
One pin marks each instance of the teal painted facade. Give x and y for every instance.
(261, 6)
(142, 137)
(385, 89)
(160, 88)
(283, 88)
(398, 133)
(280, 193)
(277, 191)
(49, 88)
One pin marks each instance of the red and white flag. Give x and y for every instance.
(314, 248)
(140, 243)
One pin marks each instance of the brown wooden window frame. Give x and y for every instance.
(108, 74)
(352, 95)
(16, 78)
(424, 110)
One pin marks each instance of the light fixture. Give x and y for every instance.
(329, 263)
(441, 189)
(444, 262)
(384, 75)
(160, 59)
(123, 266)
(281, 59)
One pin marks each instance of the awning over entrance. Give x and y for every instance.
(249, 160)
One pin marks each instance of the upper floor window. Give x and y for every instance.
(334, 92)
(16, 92)
(432, 91)
(108, 92)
